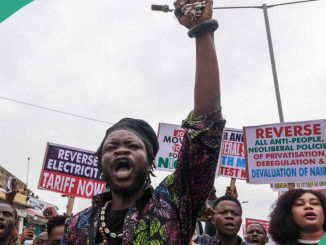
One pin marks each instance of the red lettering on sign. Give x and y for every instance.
(288, 131)
(178, 133)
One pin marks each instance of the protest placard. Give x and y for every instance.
(170, 138)
(286, 152)
(250, 221)
(71, 171)
(232, 161)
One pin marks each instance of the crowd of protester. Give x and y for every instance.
(52, 235)
(297, 218)
(133, 212)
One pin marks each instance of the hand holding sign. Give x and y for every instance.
(28, 234)
(207, 215)
(231, 191)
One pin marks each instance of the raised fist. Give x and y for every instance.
(11, 190)
(50, 212)
(190, 12)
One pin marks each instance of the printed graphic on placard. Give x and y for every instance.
(286, 152)
(70, 171)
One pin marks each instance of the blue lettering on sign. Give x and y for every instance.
(318, 171)
(241, 162)
(274, 173)
(227, 161)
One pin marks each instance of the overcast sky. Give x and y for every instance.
(111, 59)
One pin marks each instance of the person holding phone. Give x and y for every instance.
(41, 239)
(27, 236)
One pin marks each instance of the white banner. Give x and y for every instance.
(170, 138)
(286, 152)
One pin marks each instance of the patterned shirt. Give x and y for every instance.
(166, 215)
(212, 240)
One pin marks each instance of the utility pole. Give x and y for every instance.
(271, 54)
(28, 159)
(264, 7)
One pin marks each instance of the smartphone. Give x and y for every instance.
(30, 225)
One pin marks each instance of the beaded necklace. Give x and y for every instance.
(104, 231)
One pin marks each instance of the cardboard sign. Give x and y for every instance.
(232, 160)
(286, 152)
(170, 139)
(70, 171)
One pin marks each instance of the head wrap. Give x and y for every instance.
(139, 127)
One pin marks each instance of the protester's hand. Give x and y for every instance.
(11, 190)
(231, 191)
(50, 212)
(28, 234)
(212, 195)
(68, 215)
(186, 21)
(207, 215)
(38, 241)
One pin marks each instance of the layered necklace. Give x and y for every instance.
(103, 229)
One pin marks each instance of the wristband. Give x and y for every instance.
(206, 26)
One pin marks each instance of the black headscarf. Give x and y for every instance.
(139, 127)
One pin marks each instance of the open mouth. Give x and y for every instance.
(122, 167)
(310, 215)
(2, 227)
(254, 240)
(229, 226)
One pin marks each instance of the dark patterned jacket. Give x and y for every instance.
(212, 240)
(166, 215)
